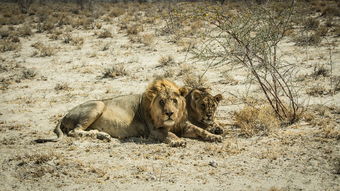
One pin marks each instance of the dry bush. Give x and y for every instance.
(7, 45)
(62, 87)
(322, 31)
(105, 34)
(43, 50)
(320, 70)
(134, 29)
(331, 11)
(166, 61)
(116, 11)
(228, 79)
(169, 73)
(337, 31)
(12, 20)
(24, 30)
(317, 90)
(308, 39)
(324, 118)
(147, 39)
(115, 71)
(28, 73)
(195, 81)
(185, 69)
(78, 41)
(259, 120)
(311, 24)
(98, 25)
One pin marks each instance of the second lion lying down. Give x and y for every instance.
(159, 113)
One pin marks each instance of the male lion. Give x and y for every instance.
(160, 113)
(201, 107)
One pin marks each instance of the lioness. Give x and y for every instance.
(160, 113)
(201, 107)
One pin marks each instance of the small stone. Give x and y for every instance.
(213, 163)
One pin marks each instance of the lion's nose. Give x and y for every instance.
(169, 113)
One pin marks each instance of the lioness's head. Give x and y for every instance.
(203, 105)
(166, 103)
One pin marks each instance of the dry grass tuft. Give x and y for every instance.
(43, 50)
(195, 81)
(115, 71)
(166, 61)
(147, 39)
(105, 34)
(317, 90)
(8, 45)
(116, 12)
(311, 24)
(312, 39)
(62, 87)
(256, 120)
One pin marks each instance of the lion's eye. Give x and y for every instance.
(203, 106)
(175, 101)
(161, 102)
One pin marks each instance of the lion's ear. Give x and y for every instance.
(150, 94)
(184, 91)
(218, 97)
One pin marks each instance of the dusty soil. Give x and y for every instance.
(37, 90)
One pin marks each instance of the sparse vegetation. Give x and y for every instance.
(89, 50)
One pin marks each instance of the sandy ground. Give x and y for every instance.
(299, 157)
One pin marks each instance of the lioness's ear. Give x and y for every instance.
(196, 94)
(184, 91)
(218, 97)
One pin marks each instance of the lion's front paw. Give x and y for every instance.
(178, 143)
(216, 130)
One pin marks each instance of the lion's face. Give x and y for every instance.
(167, 107)
(204, 106)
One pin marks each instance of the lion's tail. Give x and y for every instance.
(57, 131)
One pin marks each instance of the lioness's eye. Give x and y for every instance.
(175, 101)
(161, 102)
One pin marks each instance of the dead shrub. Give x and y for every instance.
(25, 30)
(308, 39)
(28, 73)
(311, 24)
(105, 34)
(7, 45)
(147, 39)
(114, 72)
(133, 29)
(331, 11)
(116, 12)
(320, 70)
(166, 61)
(43, 50)
(259, 120)
(62, 87)
(317, 90)
(195, 81)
